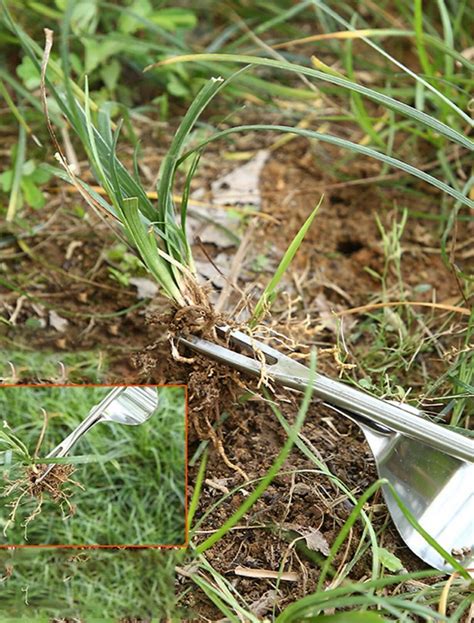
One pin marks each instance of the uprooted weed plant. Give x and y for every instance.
(57, 485)
(158, 232)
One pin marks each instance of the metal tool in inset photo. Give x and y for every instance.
(430, 467)
(131, 406)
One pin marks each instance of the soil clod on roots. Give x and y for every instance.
(53, 483)
(196, 319)
(212, 387)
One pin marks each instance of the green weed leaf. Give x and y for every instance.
(128, 23)
(98, 52)
(269, 294)
(28, 73)
(173, 18)
(389, 560)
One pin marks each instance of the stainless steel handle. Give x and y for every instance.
(66, 445)
(94, 416)
(392, 416)
(289, 373)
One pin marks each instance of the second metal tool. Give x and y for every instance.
(131, 406)
(430, 467)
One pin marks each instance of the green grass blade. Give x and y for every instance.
(272, 472)
(15, 111)
(428, 538)
(15, 444)
(34, 51)
(269, 294)
(419, 40)
(340, 142)
(448, 38)
(467, 119)
(376, 96)
(343, 533)
(84, 459)
(168, 170)
(193, 505)
(324, 599)
(215, 596)
(24, 93)
(358, 106)
(146, 244)
(178, 247)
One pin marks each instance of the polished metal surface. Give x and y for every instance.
(289, 373)
(123, 405)
(430, 467)
(437, 488)
(132, 406)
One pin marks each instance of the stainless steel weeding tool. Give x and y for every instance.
(430, 467)
(123, 405)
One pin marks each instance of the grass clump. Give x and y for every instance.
(158, 232)
(153, 231)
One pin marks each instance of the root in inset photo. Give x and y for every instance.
(28, 486)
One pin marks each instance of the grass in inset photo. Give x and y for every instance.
(118, 484)
(44, 585)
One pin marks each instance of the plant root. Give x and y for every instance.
(212, 387)
(53, 485)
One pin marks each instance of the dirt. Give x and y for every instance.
(330, 269)
(52, 484)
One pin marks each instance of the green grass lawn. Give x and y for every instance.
(374, 95)
(93, 586)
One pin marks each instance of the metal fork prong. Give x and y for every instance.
(290, 373)
(63, 448)
(222, 354)
(240, 338)
(283, 370)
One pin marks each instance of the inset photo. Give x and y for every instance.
(93, 465)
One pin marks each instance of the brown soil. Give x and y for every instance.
(53, 483)
(330, 268)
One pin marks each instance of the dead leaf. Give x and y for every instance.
(61, 343)
(57, 322)
(468, 53)
(72, 246)
(217, 228)
(260, 574)
(219, 484)
(264, 603)
(316, 541)
(241, 186)
(327, 318)
(217, 271)
(146, 288)
(220, 225)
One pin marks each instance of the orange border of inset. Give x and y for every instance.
(186, 483)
